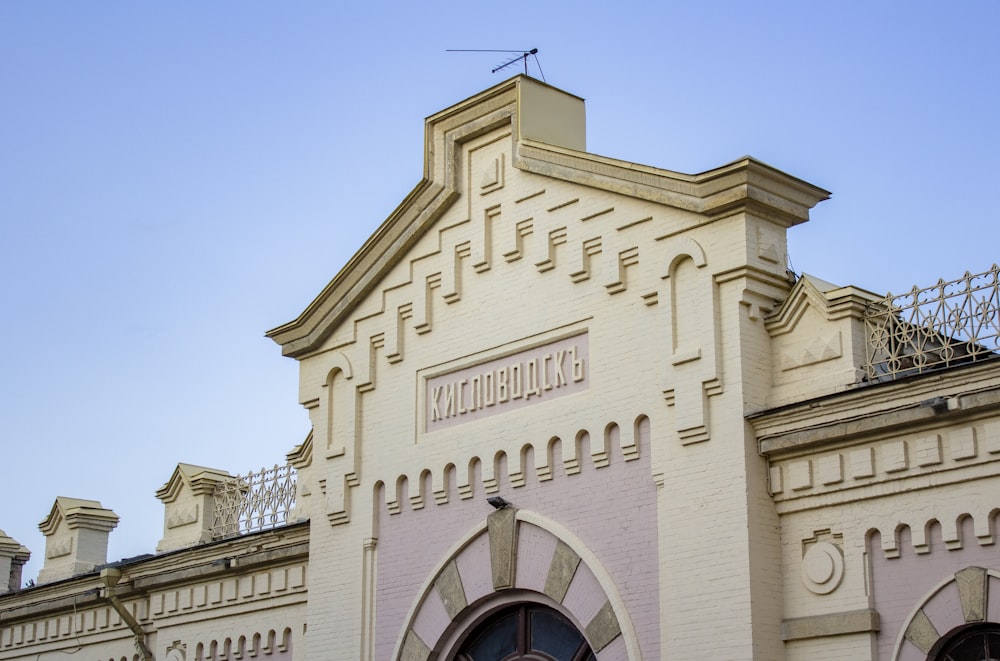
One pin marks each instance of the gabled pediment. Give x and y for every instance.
(8, 546)
(76, 512)
(828, 300)
(818, 339)
(199, 479)
(542, 130)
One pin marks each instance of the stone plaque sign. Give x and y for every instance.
(509, 383)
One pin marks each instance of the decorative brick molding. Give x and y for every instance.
(935, 457)
(954, 531)
(484, 472)
(265, 643)
(474, 149)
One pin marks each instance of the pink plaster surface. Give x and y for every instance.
(611, 510)
(285, 654)
(535, 548)
(474, 567)
(432, 619)
(945, 609)
(410, 545)
(614, 651)
(909, 652)
(900, 584)
(585, 595)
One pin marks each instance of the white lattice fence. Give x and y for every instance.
(256, 501)
(948, 324)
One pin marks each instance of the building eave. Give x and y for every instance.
(743, 184)
(926, 401)
(145, 574)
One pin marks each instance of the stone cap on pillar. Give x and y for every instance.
(13, 557)
(188, 500)
(76, 538)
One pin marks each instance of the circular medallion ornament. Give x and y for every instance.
(822, 568)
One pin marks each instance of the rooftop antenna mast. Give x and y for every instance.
(522, 56)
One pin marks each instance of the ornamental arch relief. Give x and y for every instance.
(339, 416)
(516, 557)
(935, 620)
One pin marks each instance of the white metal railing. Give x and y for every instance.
(256, 501)
(948, 324)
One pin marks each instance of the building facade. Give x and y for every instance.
(569, 407)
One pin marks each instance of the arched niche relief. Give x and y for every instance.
(444, 483)
(641, 436)
(690, 317)
(336, 436)
(340, 415)
(419, 487)
(515, 558)
(689, 372)
(967, 602)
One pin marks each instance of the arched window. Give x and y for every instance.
(526, 631)
(980, 642)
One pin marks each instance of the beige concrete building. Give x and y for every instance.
(568, 407)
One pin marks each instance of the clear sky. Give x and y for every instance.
(178, 177)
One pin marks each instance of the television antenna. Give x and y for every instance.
(522, 56)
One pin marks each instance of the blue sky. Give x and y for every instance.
(177, 178)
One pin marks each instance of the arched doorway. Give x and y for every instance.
(525, 631)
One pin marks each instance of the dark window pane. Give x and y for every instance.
(969, 649)
(526, 631)
(981, 643)
(497, 641)
(553, 634)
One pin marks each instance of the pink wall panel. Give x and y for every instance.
(900, 584)
(611, 510)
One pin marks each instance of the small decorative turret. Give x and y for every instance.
(189, 506)
(13, 557)
(76, 538)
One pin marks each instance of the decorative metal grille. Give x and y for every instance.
(948, 324)
(256, 501)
